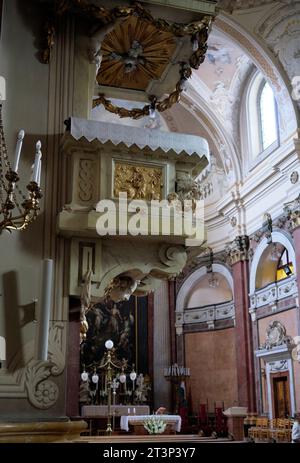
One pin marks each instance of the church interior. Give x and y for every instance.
(150, 220)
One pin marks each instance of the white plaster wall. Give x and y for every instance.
(25, 107)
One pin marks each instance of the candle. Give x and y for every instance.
(20, 138)
(37, 160)
(44, 310)
(2, 349)
(128, 411)
(39, 172)
(134, 410)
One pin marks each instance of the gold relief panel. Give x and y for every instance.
(139, 182)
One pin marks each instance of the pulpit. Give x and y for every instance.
(119, 176)
(235, 421)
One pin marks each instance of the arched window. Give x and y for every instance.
(267, 116)
(259, 121)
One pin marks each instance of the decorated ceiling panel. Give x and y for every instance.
(134, 53)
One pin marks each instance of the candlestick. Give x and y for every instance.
(45, 309)
(37, 160)
(20, 139)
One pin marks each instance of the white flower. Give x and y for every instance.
(155, 425)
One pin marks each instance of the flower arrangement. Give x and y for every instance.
(155, 425)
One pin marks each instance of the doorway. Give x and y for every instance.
(281, 395)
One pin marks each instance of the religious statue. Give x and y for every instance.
(85, 299)
(94, 49)
(121, 288)
(187, 190)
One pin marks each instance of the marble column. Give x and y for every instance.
(161, 347)
(238, 255)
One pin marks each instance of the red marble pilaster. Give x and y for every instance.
(296, 236)
(172, 303)
(244, 340)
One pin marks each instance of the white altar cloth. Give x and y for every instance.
(172, 419)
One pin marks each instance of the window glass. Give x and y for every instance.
(268, 116)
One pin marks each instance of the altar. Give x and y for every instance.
(137, 422)
(100, 411)
(96, 415)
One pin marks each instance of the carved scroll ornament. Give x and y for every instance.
(34, 382)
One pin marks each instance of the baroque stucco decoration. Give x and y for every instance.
(281, 31)
(276, 336)
(231, 5)
(266, 63)
(34, 381)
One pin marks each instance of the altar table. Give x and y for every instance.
(100, 411)
(173, 422)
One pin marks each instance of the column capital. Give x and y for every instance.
(238, 249)
(292, 210)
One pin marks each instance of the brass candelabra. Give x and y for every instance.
(16, 214)
(109, 366)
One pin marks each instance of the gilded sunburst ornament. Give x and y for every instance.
(134, 53)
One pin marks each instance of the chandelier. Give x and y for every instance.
(276, 252)
(16, 210)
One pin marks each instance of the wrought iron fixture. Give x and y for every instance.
(213, 280)
(16, 210)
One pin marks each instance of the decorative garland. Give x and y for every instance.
(198, 30)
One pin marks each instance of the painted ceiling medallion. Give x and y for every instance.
(134, 53)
